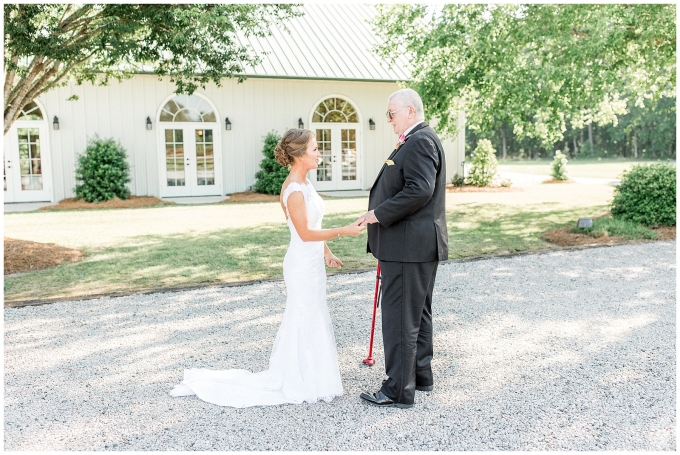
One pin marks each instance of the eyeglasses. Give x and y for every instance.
(390, 115)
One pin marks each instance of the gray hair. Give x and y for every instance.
(409, 97)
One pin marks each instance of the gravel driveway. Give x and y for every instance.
(558, 351)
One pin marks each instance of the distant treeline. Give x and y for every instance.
(647, 132)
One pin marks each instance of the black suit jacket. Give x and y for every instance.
(408, 199)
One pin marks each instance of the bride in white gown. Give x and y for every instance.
(304, 364)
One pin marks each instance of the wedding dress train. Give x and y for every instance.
(304, 364)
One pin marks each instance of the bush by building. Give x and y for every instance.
(271, 175)
(458, 180)
(103, 171)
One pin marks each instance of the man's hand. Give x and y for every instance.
(367, 218)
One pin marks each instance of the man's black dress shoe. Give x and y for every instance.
(381, 400)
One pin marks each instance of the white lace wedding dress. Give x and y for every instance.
(304, 364)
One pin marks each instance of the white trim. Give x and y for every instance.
(217, 147)
(12, 152)
(359, 126)
(343, 97)
(200, 95)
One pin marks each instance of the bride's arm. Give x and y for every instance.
(298, 215)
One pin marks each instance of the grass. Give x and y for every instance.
(588, 168)
(612, 227)
(151, 261)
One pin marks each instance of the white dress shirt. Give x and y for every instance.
(409, 129)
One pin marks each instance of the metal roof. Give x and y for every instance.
(329, 41)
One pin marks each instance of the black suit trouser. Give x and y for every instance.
(407, 326)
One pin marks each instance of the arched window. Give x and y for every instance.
(335, 110)
(187, 108)
(31, 112)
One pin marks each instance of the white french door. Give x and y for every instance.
(190, 160)
(27, 163)
(339, 167)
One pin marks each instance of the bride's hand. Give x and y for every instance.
(333, 262)
(355, 228)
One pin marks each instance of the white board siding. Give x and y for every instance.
(254, 107)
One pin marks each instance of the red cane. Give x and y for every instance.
(369, 360)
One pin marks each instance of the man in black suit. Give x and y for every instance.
(407, 234)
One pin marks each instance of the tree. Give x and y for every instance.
(644, 132)
(536, 67)
(47, 44)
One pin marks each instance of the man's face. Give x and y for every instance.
(402, 117)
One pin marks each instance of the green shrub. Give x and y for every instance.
(458, 180)
(484, 164)
(271, 175)
(614, 227)
(646, 195)
(103, 171)
(559, 166)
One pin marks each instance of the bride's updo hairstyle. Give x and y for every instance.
(294, 143)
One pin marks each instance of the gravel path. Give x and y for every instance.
(559, 351)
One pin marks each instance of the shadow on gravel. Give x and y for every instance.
(563, 351)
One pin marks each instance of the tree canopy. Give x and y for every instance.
(47, 44)
(536, 67)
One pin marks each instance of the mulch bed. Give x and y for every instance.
(251, 196)
(115, 203)
(564, 237)
(480, 189)
(557, 181)
(24, 256)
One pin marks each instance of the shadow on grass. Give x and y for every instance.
(148, 262)
(483, 229)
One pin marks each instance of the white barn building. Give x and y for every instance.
(321, 74)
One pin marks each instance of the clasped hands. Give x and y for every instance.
(354, 230)
(367, 218)
(358, 226)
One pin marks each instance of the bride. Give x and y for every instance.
(304, 364)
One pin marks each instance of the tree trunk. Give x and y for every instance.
(505, 146)
(590, 136)
(575, 148)
(635, 143)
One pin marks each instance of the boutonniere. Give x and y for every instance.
(389, 162)
(402, 139)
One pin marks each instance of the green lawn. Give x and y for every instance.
(590, 168)
(172, 246)
(614, 227)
